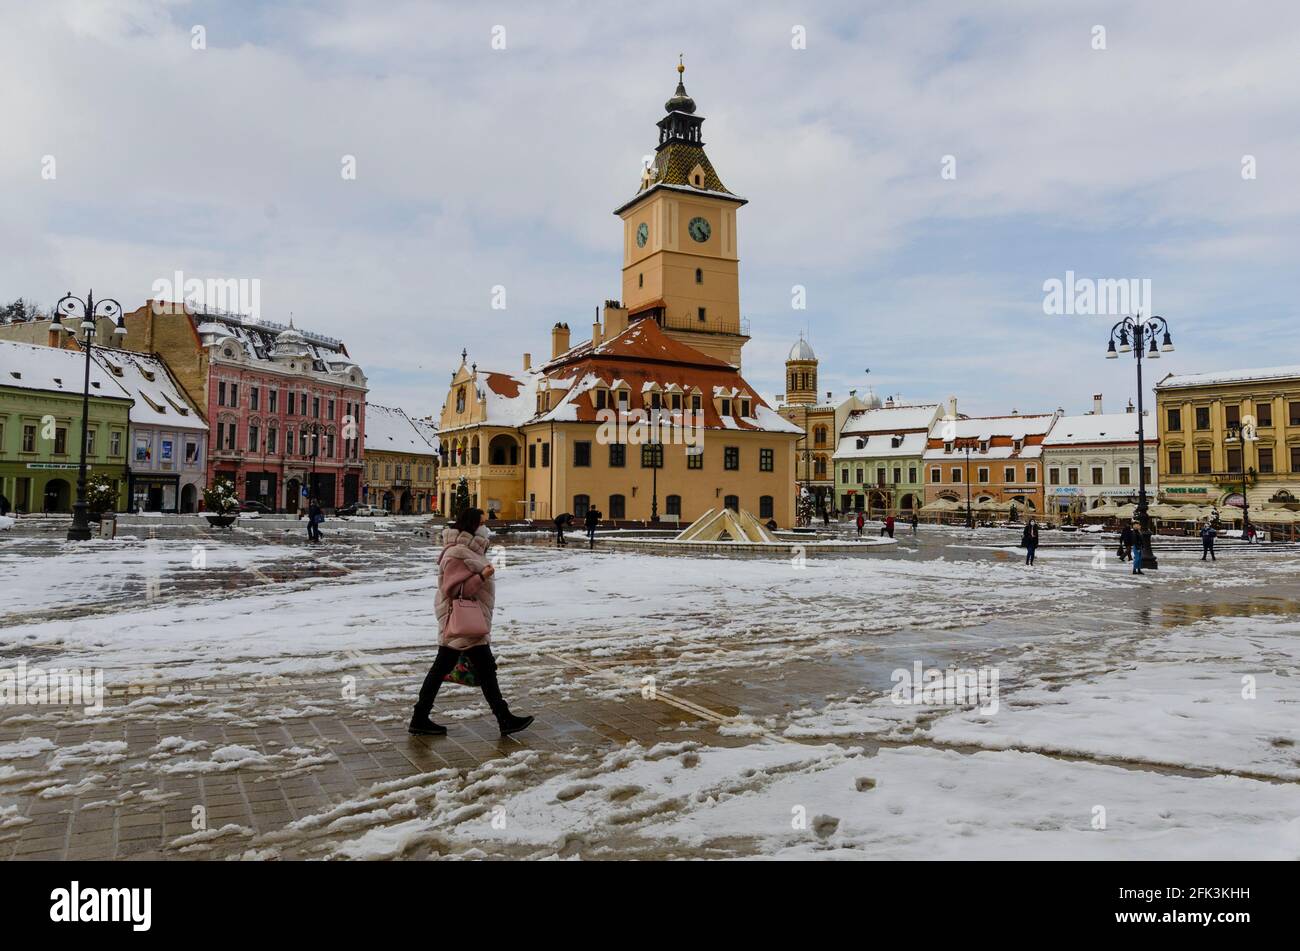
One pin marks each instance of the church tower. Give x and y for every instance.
(801, 375)
(680, 258)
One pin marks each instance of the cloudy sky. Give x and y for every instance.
(478, 166)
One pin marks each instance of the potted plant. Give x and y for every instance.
(100, 497)
(221, 506)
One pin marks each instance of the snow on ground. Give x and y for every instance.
(1117, 693)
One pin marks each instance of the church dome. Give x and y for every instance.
(680, 101)
(871, 400)
(801, 351)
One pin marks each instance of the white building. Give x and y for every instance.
(167, 444)
(1093, 459)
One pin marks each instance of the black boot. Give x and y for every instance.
(509, 723)
(485, 669)
(421, 725)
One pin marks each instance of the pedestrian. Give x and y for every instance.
(826, 518)
(1126, 542)
(889, 525)
(861, 521)
(1029, 539)
(315, 515)
(593, 519)
(915, 520)
(4, 505)
(1137, 551)
(1207, 541)
(465, 581)
(562, 521)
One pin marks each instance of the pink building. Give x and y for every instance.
(286, 411)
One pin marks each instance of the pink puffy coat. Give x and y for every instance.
(463, 558)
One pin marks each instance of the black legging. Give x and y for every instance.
(485, 669)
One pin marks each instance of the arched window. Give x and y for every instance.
(732, 502)
(473, 452)
(617, 507)
(580, 505)
(765, 508)
(819, 435)
(673, 505)
(819, 467)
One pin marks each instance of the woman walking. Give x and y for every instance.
(1030, 540)
(465, 582)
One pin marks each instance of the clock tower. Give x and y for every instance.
(680, 260)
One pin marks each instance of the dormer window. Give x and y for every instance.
(602, 399)
(744, 408)
(656, 401)
(726, 406)
(676, 400)
(1018, 444)
(895, 442)
(984, 445)
(623, 400)
(862, 444)
(947, 447)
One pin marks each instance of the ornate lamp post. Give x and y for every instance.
(1235, 433)
(655, 449)
(87, 311)
(315, 429)
(1138, 335)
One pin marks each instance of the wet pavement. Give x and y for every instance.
(306, 759)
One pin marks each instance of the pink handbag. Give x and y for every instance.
(466, 619)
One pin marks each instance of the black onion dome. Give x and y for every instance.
(680, 101)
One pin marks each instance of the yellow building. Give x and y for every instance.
(649, 417)
(681, 262)
(1218, 429)
(821, 422)
(401, 461)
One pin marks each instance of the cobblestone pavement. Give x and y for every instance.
(308, 761)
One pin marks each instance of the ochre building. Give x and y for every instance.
(649, 416)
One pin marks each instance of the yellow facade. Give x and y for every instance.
(681, 493)
(1201, 462)
(400, 482)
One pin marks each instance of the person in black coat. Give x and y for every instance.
(1030, 541)
(315, 515)
(1125, 541)
(593, 519)
(562, 521)
(4, 505)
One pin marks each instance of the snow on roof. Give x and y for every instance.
(389, 429)
(891, 419)
(1100, 428)
(1174, 381)
(32, 366)
(986, 427)
(511, 400)
(158, 398)
(773, 422)
(881, 445)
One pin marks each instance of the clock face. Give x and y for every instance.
(642, 234)
(699, 229)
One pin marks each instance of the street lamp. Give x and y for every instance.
(970, 519)
(655, 447)
(87, 310)
(315, 429)
(1135, 334)
(1235, 432)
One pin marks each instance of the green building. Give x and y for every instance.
(878, 460)
(40, 423)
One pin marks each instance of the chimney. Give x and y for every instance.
(559, 340)
(828, 396)
(528, 362)
(1096, 404)
(595, 333)
(615, 319)
(952, 406)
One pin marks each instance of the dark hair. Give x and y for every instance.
(468, 521)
